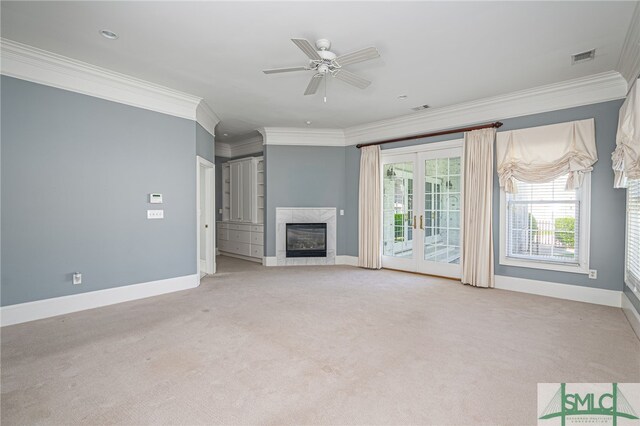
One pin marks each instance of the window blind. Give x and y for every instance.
(543, 222)
(633, 233)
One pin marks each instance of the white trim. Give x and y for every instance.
(629, 62)
(302, 136)
(585, 237)
(577, 293)
(241, 256)
(340, 260)
(223, 150)
(347, 260)
(251, 145)
(206, 117)
(581, 91)
(567, 94)
(30, 311)
(210, 262)
(270, 261)
(631, 314)
(39, 66)
(239, 148)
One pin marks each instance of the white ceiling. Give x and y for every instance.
(438, 53)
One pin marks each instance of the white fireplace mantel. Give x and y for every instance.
(286, 215)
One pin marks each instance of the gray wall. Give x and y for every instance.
(607, 204)
(76, 174)
(204, 143)
(305, 176)
(311, 176)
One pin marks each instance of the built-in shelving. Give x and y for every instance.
(226, 191)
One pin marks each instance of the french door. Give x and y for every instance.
(421, 210)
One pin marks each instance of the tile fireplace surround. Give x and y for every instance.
(286, 215)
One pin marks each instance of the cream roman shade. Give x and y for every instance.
(626, 157)
(541, 154)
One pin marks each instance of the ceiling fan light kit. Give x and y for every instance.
(323, 62)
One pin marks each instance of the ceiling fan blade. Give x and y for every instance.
(277, 70)
(351, 78)
(357, 56)
(314, 83)
(307, 48)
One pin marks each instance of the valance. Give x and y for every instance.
(626, 157)
(542, 154)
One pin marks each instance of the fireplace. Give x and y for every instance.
(306, 240)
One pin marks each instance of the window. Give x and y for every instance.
(546, 226)
(632, 273)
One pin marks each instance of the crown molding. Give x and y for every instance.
(302, 136)
(568, 94)
(241, 147)
(223, 149)
(629, 63)
(206, 117)
(251, 145)
(39, 66)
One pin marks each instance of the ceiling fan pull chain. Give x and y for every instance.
(325, 89)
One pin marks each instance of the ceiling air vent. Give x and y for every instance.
(583, 56)
(420, 107)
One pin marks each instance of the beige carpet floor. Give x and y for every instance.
(311, 345)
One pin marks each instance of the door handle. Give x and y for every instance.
(421, 227)
(414, 222)
(206, 226)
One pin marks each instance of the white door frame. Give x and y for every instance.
(209, 169)
(392, 262)
(417, 154)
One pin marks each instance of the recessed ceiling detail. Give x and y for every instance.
(440, 52)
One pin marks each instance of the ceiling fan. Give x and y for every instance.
(324, 62)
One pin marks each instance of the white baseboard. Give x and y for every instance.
(30, 311)
(598, 296)
(340, 260)
(347, 260)
(270, 261)
(631, 314)
(240, 256)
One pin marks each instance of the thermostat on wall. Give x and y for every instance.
(155, 198)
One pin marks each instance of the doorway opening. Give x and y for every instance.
(422, 208)
(205, 196)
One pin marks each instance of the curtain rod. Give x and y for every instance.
(427, 135)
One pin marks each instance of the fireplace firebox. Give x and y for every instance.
(306, 240)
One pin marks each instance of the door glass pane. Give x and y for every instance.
(397, 214)
(442, 210)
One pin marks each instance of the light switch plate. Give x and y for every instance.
(341, 212)
(155, 214)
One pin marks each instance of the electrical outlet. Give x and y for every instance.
(155, 214)
(593, 274)
(77, 278)
(341, 212)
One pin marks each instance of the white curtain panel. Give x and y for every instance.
(626, 157)
(541, 154)
(477, 232)
(369, 209)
